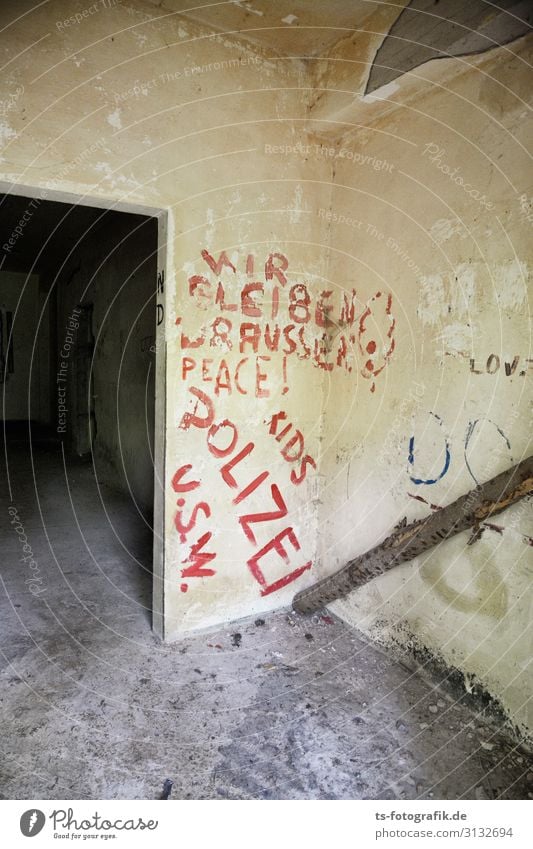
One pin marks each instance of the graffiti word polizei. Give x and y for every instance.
(225, 446)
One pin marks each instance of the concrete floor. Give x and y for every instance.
(94, 706)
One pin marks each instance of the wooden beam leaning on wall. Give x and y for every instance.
(408, 542)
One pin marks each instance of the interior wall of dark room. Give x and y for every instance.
(81, 310)
(107, 288)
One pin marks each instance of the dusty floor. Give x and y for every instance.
(94, 706)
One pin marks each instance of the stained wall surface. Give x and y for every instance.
(133, 104)
(299, 416)
(430, 210)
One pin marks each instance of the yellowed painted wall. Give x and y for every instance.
(123, 107)
(456, 261)
(251, 155)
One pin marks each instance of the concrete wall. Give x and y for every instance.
(114, 113)
(451, 404)
(255, 158)
(105, 351)
(26, 391)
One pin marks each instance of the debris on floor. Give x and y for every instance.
(99, 708)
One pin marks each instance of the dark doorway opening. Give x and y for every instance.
(78, 289)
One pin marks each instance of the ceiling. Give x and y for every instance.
(435, 29)
(423, 29)
(287, 27)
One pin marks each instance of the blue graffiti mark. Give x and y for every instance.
(411, 459)
(470, 432)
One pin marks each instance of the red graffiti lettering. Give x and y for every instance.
(184, 529)
(194, 419)
(305, 346)
(298, 478)
(219, 299)
(222, 441)
(221, 330)
(272, 342)
(227, 474)
(237, 376)
(177, 486)
(250, 518)
(198, 559)
(248, 306)
(187, 342)
(275, 544)
(299, 300)
(347, 316)
(200, 288)
(272, 270)
(187, 365)
(369, 349)
(275, 301)
(213, 430)
(250, 333)
(298, 440)
(323, 309)
(273, 423)
(293, 448)
(290, 342)
(223, 380)
(261, 377)
(217, 266)
(321, 353)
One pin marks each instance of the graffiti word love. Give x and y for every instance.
(519, 365)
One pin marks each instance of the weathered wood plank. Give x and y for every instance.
(404, 544)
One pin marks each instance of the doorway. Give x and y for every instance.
(78, 312)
